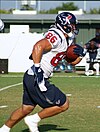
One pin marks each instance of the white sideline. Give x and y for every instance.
(4, 88)
(75, 76)
(3, 106)
(98, 107)
(60, 76)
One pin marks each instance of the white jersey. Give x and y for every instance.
(59, 46)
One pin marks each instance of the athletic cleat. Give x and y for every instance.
(0, 130)
(33, 126)
(4, 130)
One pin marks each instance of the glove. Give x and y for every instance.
(80, 50)
(96, 61)
(40, 77)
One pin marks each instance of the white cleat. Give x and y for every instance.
(33, 126)
(1, 130)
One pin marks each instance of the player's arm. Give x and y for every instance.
(76, 61)
(38, 49)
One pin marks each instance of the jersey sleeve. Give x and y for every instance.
(53, 38)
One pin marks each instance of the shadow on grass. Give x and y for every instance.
(81, 74)
(48, 127)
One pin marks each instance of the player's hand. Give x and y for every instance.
(40, 77)
(96, 61)
(80, 51)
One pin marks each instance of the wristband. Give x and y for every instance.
(37, 64)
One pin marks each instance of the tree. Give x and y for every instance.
(64, 6)
(94, 11)
(4, 12)
(26, 7)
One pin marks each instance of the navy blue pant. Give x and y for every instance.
(33, 96)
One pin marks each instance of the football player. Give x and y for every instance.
(92, 47)
(46, 54)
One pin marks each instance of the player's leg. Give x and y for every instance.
(16, 116)
(20, 113)
(53, 102)
(44, 113)
(87, 69)
(96, 66)
(51, 111)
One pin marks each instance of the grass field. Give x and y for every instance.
(82, 116)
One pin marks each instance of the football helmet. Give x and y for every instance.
(1, 25)
(67, 23)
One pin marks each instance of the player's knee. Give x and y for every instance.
(26, 109)
(96, 66)
(65, 106)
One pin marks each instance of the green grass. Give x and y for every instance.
(82, 116)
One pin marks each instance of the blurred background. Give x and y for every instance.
(47, 5)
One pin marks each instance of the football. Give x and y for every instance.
(70, 55)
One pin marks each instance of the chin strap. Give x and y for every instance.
(69, 34)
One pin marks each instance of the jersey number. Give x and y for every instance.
(51, 37)
(55, 60)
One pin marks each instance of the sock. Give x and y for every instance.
(5, 128)
(35, 118)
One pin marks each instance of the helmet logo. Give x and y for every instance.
(64, 20)
(68, 18)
